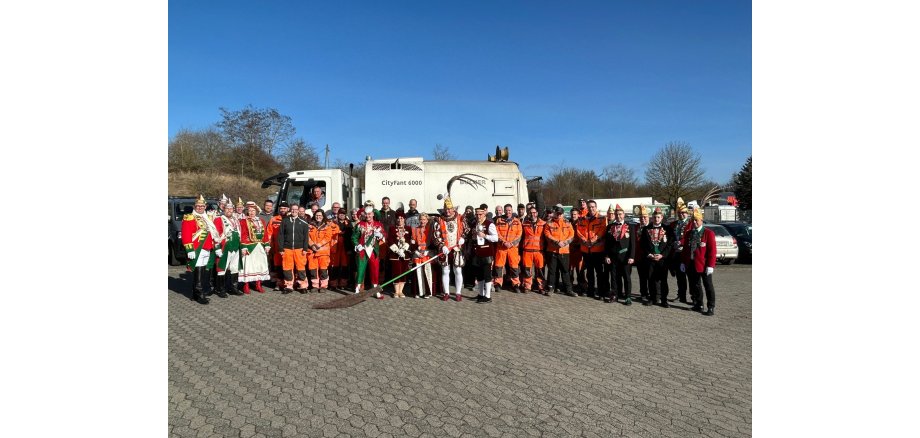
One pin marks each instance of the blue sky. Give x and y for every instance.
(582, 84)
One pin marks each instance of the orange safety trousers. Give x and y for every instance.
(533, 267)
(294, 258)
(506, 257)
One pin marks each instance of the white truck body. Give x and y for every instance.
(402, 179)
(720, 213)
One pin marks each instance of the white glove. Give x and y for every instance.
(445, 250)
(709, 271)
(378, 235)
(460, 242)
(191, 254)
(359, 248)
(219, 252)
(683, 268)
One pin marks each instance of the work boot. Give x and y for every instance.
(711, 311)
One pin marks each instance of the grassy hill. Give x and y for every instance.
(213, 185)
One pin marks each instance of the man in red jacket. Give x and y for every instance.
(699, 261)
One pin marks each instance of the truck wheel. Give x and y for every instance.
(173, 261)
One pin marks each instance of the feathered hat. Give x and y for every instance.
(681, 207)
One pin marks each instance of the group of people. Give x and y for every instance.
(305, 248)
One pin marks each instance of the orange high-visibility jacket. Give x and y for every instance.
(558, 231)
(323, 236)
(508, 231)
(533, 234)
(591, 234)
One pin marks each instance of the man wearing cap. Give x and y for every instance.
(699, 257)
(450, 238)
(559, 235)
(590, 230)
(198, 234)
(274, 257)
(506, 251)
(366, 238)
(240, 213)
(521, 212)
(292, 236)
(533, 228)
(676, 232)
(620, 247)
(657, 249)
(483, 238)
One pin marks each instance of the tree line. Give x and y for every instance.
(255, 143)
(252, 142)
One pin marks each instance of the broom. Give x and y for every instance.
(352, 299)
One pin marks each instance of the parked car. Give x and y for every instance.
(726, 245)
(742, 233)
(179, 207)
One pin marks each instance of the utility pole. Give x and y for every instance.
(327, 157)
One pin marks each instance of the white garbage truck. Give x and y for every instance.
(428, 182)
(405, 178)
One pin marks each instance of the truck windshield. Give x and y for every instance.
(301, 192)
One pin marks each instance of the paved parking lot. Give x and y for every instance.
(524, 365)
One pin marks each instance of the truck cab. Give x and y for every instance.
(297, 187)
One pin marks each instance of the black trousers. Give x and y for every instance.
(557, 263)
(658, 280)
(481, 268)
(622, 279)
(596, 272)
(681, 277)
(642, 268)
(694, 280)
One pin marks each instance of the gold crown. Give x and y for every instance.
(681, 207)
(200, 200)
(610, 208)
(239, 201)
(448, 204)
(697, 214)
(643, 210)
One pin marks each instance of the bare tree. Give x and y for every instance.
(441, 152)
(300, 155)
(621, 180)
(197, 151)
(256, 134)
(674, 171)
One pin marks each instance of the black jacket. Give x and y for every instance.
(294, 233)
(620, 250)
